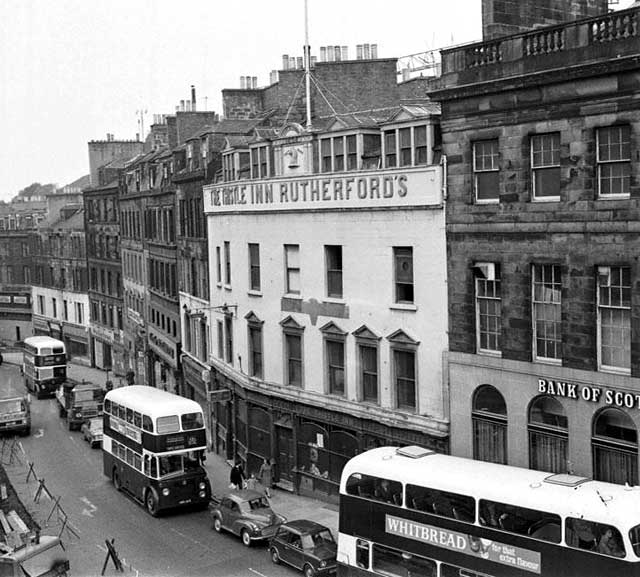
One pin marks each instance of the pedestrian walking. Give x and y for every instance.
(236, 477)
(266, 476)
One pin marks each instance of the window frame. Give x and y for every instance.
(625, 130)
(538, 168)
(254, 327)
(333, 272)
(293, 333)
(397, 259)
(291, 270)
(494, 276)
(254, 267)
(495, 168)
(608, 270)
(538, 305)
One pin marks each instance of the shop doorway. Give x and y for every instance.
(284, 448)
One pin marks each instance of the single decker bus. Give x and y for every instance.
(44, 365)
(153, 446)
(410, 511)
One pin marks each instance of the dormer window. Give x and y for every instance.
(406, 146)
(339, 153)
(260, 162)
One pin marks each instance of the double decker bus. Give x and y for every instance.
(409, 511)
(44, 365)
(153, 445)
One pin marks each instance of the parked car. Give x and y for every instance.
(305, 545)
(247, 514)
(92, 431)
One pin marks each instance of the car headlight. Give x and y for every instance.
(323, 563)
(253, 527)
(202, 486)
(166, 491)
(202, 494)
(78, 415)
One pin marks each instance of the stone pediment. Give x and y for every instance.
(402, 338)
(332, 328)
(291, 323)
(364, 332)
(253, 319)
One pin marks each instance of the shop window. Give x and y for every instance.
(489, 424)
(614, 161)
(547, 309)
(488, 307)
(548, 435)
(615, 447)
(545, 166)
(614, 318)
(403, 274)
(486, 170)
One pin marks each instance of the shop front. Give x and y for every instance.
(75, 337)
(164, 362)
(546, 418)
(308, 445)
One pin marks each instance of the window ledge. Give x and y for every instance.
(219, 284)
(623, 196)
(253, 293)
(487, 201)
(403, 307)
(334, 300)
(296, 296)
(614, 370)
(227, 287)
(485, 353)
(545, 199)
(547, 361)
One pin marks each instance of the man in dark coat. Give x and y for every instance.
(236, 477)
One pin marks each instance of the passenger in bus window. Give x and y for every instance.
(383, 492)
(580, 534)
(608, 545)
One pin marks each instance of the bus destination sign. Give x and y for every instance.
(468, 544)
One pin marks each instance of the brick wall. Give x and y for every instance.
(504, 17)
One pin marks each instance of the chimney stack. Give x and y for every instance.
(193, 98)
(273, 77)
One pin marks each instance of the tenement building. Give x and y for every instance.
(327, 263)
(102, 227)
(541, 131)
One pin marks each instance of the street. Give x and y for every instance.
(181, 544)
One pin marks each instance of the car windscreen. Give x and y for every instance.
(11, 406)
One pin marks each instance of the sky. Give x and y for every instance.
(72, 71)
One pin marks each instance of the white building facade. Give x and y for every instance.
(328, 314)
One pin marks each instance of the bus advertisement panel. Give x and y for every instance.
(153, 447)
(44, 365)
(410, 511)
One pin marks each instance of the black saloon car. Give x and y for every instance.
(305, 545)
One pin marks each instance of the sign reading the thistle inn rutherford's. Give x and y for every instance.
(371, 189)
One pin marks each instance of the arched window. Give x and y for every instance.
(489, 418)
(548, 436)
(615, 447)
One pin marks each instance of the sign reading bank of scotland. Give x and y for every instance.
(401, 187)
(468, 544)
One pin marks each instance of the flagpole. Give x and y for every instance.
(307, 62)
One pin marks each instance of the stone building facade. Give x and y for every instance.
(541, 132)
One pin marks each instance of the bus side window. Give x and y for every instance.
(154, 467)
(147, 466)
(362, 554)
(137, 419)
(130, 416)
(147, 423)
(107, 406)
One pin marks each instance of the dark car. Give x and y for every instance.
(305, 545)
(246, 514)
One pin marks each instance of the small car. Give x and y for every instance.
(305, 545)
(92, 431)
(246, 513)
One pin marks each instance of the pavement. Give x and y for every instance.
(287, 503)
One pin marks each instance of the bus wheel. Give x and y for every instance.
(115, 477)
(217, 524)
(308, 571)
(152, 503)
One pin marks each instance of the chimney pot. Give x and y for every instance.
(345, 53)
(254, 82)
(313, 61)
(367, 52)
(330, 55)
(242, 81)
(374, 51)
(359, 51)
(323, 53)
(299, 62)
(337, 53)
(292, 62)
(193, 98)
(285, 62)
